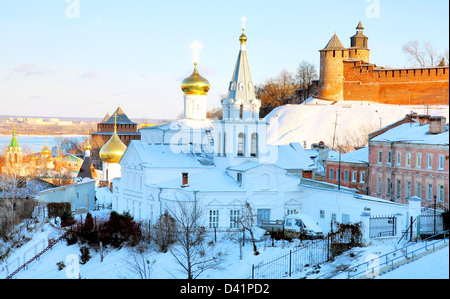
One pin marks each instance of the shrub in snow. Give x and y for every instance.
(164, 232)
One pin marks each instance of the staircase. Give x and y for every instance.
(50, 246)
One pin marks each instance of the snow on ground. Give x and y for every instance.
(163, 266)
(314, 120)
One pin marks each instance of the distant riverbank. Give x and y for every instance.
(35, 143)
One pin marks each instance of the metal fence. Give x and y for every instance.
(382, 226)
(294, 261)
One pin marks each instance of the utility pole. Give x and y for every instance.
(335, 125)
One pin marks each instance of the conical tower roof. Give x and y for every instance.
(241, 85)
(14, 142)
(122, 118)
(334, 44)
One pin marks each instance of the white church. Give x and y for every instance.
(224, 164)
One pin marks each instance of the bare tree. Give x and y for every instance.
(306, 73)
(139, 263)
(423, 54)
(247, 222)
(191, 251)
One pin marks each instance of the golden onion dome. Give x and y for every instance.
(113, 150)
(243, 38)
(46, 151)
(195, 84)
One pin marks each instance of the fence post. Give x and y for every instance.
(398, 224)
(365, 228)
(290, 262)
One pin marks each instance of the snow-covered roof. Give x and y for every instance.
(293, 156)
(164, 155)
(358, 156)
(211, 180)
(413, 133)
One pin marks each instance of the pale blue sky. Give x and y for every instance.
(135, 53)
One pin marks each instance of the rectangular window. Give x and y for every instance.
(388, 186)
(380, 157)
(333, 217)
(418, 160)
(213, 218)
(362, 177)
(419, 190)
(331, 174)
(441, 193)
(398, 158)
(379, 186)
(354, 175)
(398, 188)
(441, 162)
(322, 213)
(239, 177)
(429, 192)
(346, 175)
(234, 218)
(345, 218)
(408, 189)
(389, 157)
(408, 159)
(291, 211)
(429, 161)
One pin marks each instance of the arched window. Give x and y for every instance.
(241, 145)
(241, 85)
(241, 111)
(254, 145)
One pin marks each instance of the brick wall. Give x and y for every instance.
(420, 86)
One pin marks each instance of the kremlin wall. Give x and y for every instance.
(347, 75)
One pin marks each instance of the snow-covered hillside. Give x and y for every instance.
(314, 120)
(119, 264)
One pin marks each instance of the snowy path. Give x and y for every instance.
(432, 266)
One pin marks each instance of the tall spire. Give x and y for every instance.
(241, 85)
(14, 142)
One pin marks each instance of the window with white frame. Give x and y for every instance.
(322, 214)
(441, 162)
(418, 160)
(346, 175)
(419, 189)
(354, 175)
(291, 211)
(362, 177)
(398, 188)
(398, 158)
(379, 186)
(429, 161)
(331, 174)
(429, 191)
(345, 218)
(380, 157)
(389, 157)
(408, 189)
(408, 159)
(213, 218)
(441, 193)
(388, 186)
(234, 218)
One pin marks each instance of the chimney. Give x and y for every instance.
(185, 177)
(437, 124)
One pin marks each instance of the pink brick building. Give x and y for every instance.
(351, 170)
(410, 158)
